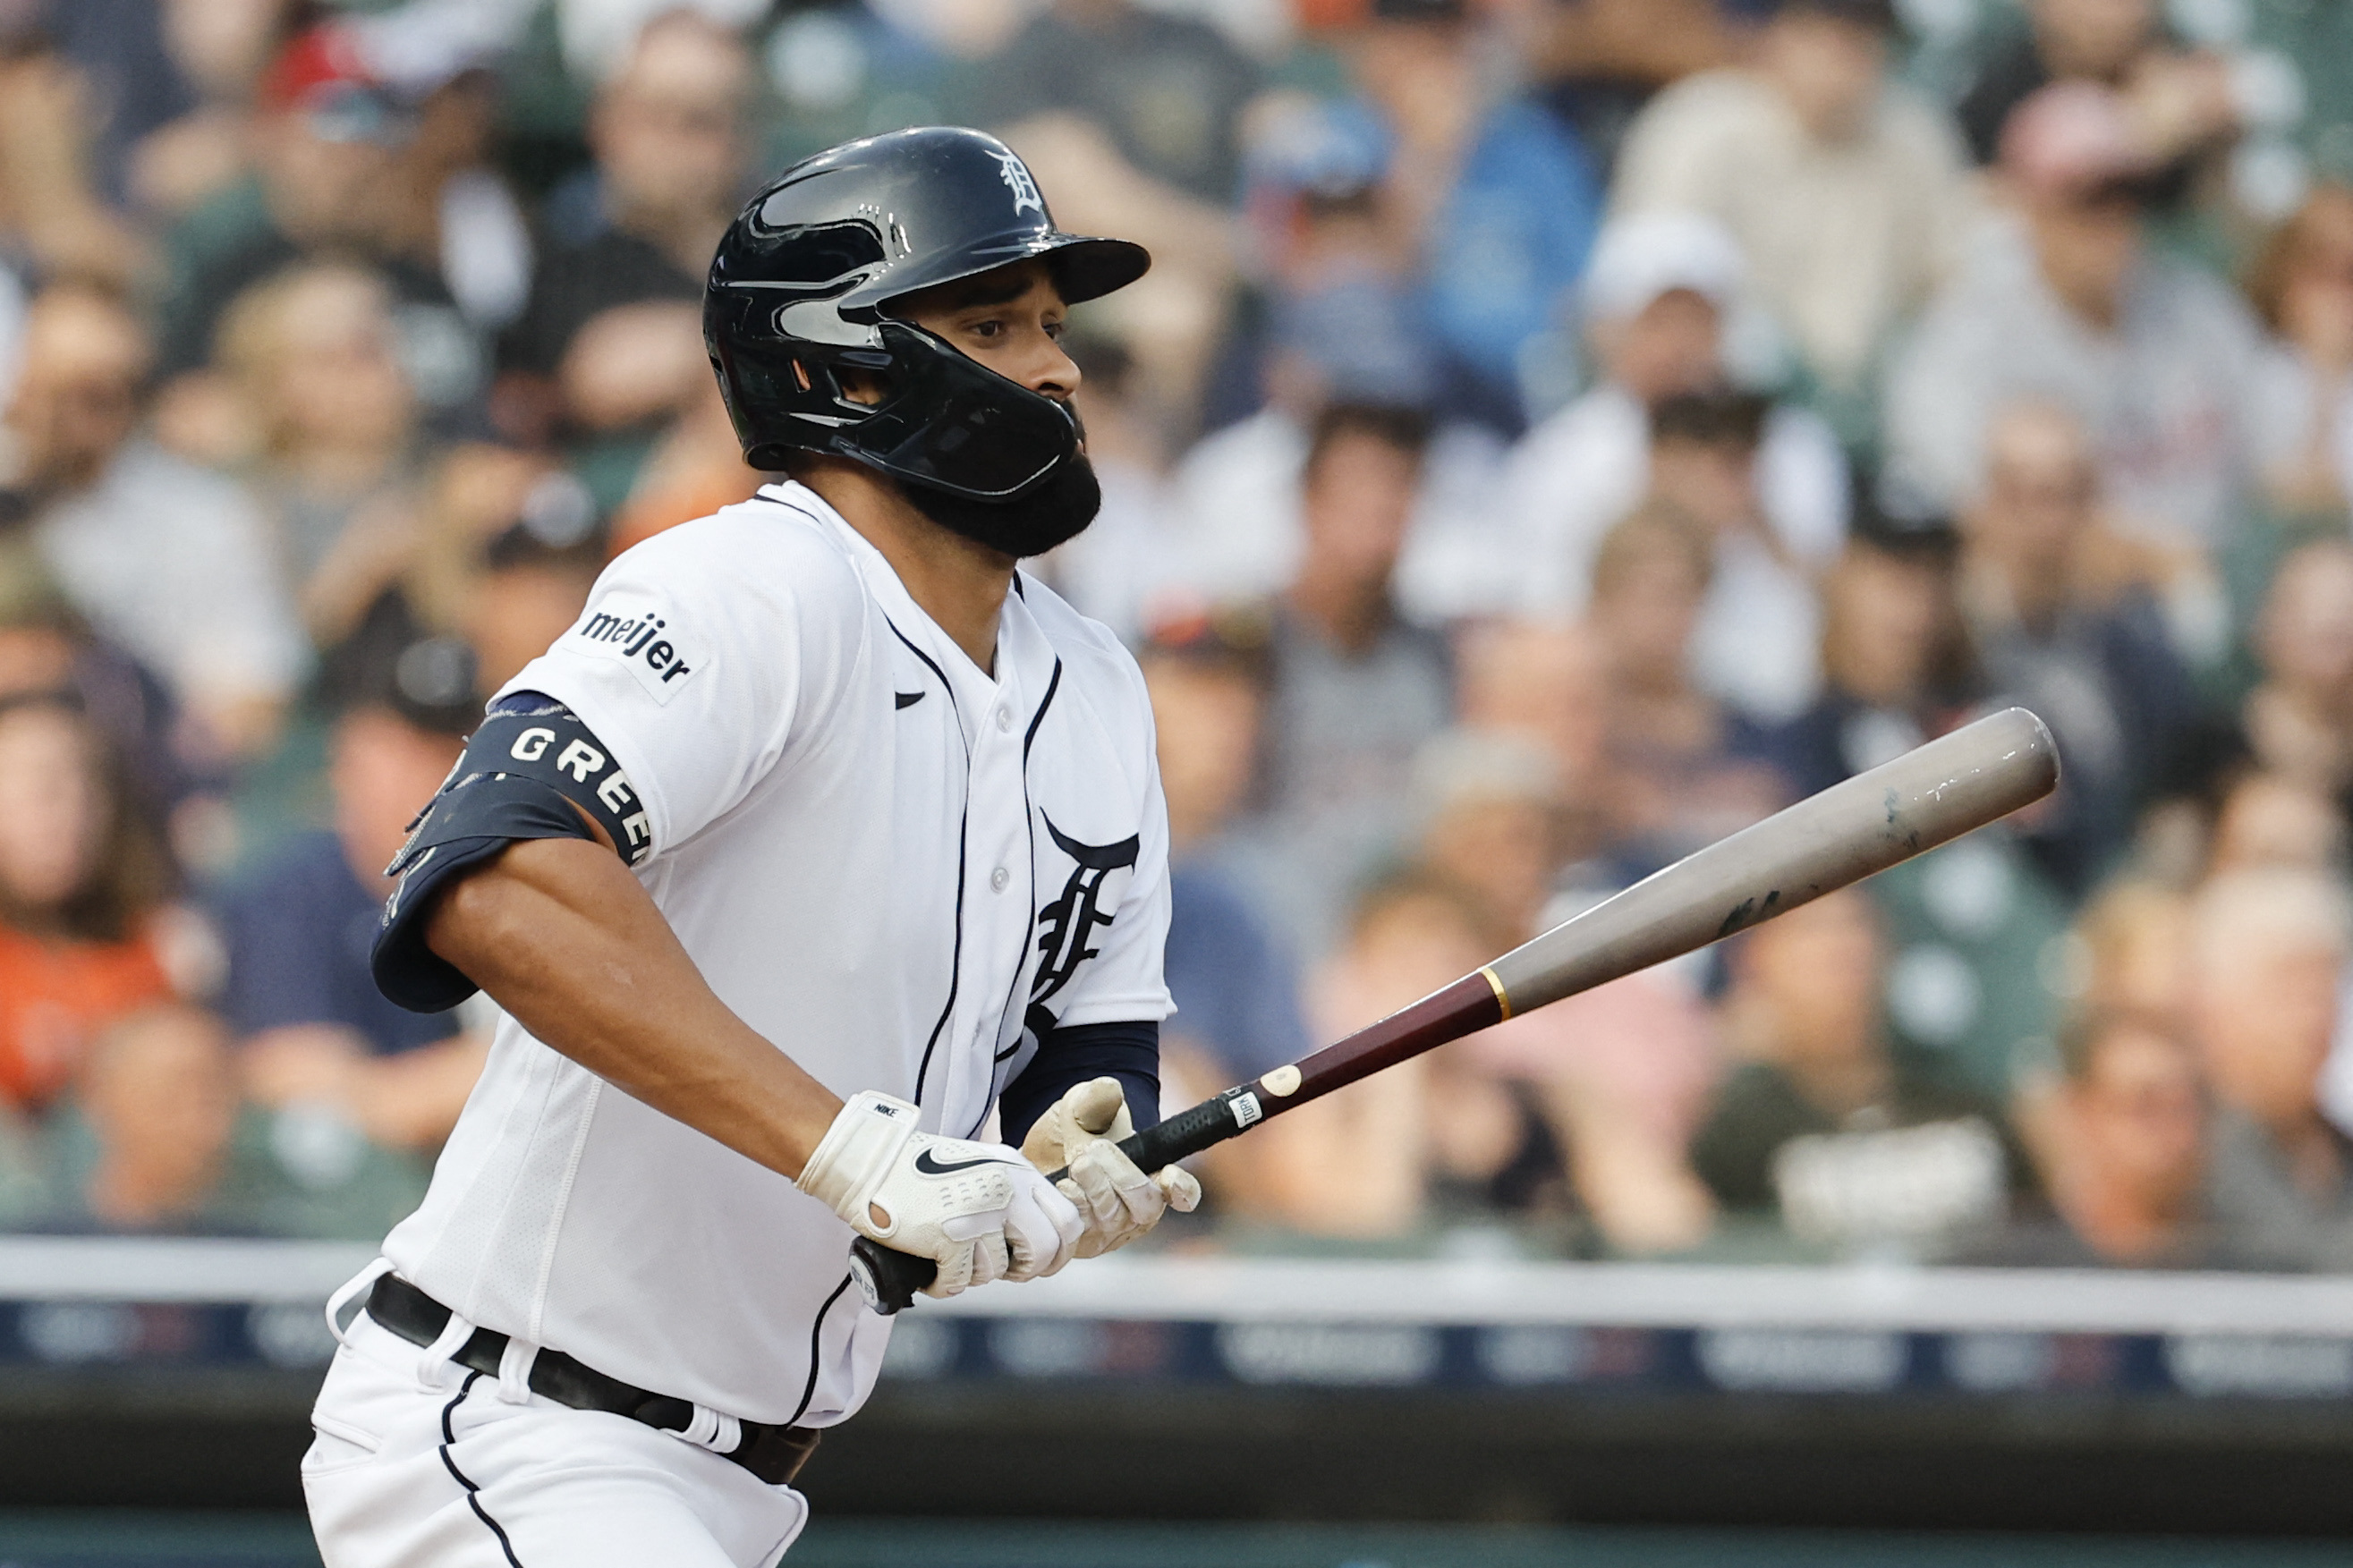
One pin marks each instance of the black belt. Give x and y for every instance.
(774, 1454)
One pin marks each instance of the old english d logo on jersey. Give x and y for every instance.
(1067, 926)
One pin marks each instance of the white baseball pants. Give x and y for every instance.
(417, 1462)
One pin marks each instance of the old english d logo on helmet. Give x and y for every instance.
(802, 286)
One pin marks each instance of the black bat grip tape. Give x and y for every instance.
(891, 1280)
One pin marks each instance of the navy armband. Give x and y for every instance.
(1069, 1056)
(532, 770)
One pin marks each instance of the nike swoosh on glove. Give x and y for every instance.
(979, 1211)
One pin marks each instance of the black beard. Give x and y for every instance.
(1056, 511)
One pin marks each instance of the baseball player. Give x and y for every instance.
(824, 853)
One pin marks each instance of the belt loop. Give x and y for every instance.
(514, 1372)
(454, 1333)
(713, 1430)
(348, 1292)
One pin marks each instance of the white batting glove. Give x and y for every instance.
(1117, 1200)
(977, 1210)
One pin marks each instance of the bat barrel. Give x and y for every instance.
(1926, 797)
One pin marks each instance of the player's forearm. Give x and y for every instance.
(563, 938)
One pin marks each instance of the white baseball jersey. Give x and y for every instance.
(891, 864)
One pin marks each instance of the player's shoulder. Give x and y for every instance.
(738, 588)
(1089, 649)
(747, 565)
(759, 547)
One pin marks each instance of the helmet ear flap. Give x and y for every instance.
(832, 379)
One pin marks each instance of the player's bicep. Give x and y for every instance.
(534, 769)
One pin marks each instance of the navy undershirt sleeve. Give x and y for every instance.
(1068, 1057)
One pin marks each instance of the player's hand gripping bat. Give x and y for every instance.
(1923, 798)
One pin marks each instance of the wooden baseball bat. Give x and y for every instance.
(1928, 796)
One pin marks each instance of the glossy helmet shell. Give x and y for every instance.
(802, 286)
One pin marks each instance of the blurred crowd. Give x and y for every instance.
(1553, 434)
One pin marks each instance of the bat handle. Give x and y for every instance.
(889, 1279)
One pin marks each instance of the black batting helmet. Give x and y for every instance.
(804, 282)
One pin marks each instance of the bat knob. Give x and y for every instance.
(888, 1281)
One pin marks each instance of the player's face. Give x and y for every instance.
(1010, 319)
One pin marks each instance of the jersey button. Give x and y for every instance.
(997, 878)
(1004, 718)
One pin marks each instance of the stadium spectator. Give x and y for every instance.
(83, 878)
(348, 168)
(613, 328)
(533, 581)
(432, 555)
(693, 466)
(2268, 820)
(1654, 302)
(1896, 662)
(156, 1141)
(2182, 99)
(2162, 362)
(313, 356)
(1366, 1162)
(1339, 329)
(1488, 806)
(166, 560)
(1544, 683)
(314, 1027)
(1848, 1145)
(2063, 619)
(2302, 287)
(1599, 61)
(1758, 643)
(1168, 91)
(1685, 769)
(1842, 189)
(1620, 1078)
(2134, 946)
(2268, 948)
(2128, 957)
(219, 53)
(159, 1099)
(2124, 1178)
(2299, 721)
(55, 220)
(128, 82)
(1232, 977)
(47, 648)
(1492, 201)
(1356, 688)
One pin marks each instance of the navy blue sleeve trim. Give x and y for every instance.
(529, 772)
(1068, 1057)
